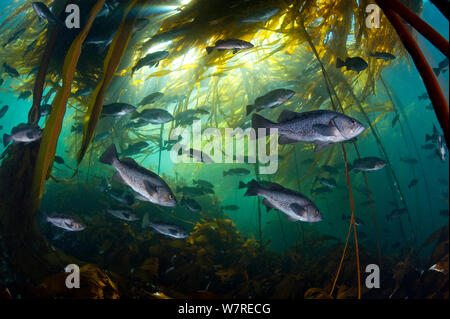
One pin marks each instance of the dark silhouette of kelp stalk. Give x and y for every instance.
(393, 13)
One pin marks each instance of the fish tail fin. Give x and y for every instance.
(209, 49)
(339, 63)
(253, 187)
(109, 156)
(6, 139)
(260, 122)
(242, 185)
(250, 109)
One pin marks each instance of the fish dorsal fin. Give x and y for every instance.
(287, 115)
(130, 161)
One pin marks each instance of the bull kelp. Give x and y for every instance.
(224, 149)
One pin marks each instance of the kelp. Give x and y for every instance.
(53, 126)
(113, 58)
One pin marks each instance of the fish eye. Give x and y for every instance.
(171, 196)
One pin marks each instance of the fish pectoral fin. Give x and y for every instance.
(283, 140)
(151, 189)
(118, 178)
(321, 146)
(268, 205)
(287, 115)
(299, 210)
(326, 130)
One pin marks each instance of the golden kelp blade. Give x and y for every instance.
(52, 129)
(113, 58)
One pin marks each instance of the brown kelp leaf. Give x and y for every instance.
(53, 126)
(435, 235)
(113, 58)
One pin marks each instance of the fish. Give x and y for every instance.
(104, 186)
(424, 96)
(261, 16)
(329, 182)
(199, 156)
(101, 136)
(59, 160)
(24, 95)
(230, 207)
(134, 148)
(150, 60)
(168, 35)
(428, 147)
(194, 191)
(442, 67)
(140, 24)
(202, 183)
(43, 13)
(1, 82)
(64, 222)
(136, 124)
(83, 92)
(413, 183)
(396, 213)
(230, 44)
(321, 190)
(354, 64)
(155, 116)
(320, 127)
(125, 214)
(236, 172)
(174, 98)
(166, 229)
(270, 100)
(443, 212)
(330, 169)
(191, 204)
(23, 133)
(45, 109)
(409, 160)
(442, 151)
(367, 164)
(144, 182)
(125, 198)
(294, 205)
(10, 70)
(383, 56)
(14, 37)
(117, 110)
(429, 107)
(3, 110)
(433, 137)
(395, 120)
(151, 98)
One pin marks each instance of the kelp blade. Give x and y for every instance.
(113, 58)
(52, 129)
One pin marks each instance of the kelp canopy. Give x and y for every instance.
(296, 48)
